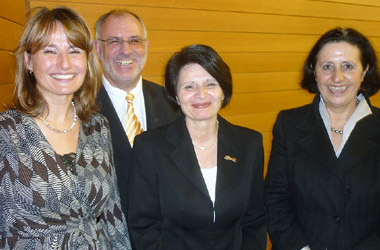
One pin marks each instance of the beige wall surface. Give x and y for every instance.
(263, 41)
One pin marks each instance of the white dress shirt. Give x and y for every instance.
(118, 99)
(362, 110)
(209, 176)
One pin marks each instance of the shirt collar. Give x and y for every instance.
(119, 94)
(362, 110)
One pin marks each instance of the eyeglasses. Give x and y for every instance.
(117, 43)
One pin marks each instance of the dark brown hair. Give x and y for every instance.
(371, 82)
(206, 57)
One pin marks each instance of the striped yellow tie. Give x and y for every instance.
(132, 124)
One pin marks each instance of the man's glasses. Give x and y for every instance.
(117, 43)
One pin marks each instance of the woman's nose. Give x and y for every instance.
(64, 61)
(337, 75)
(201, 92)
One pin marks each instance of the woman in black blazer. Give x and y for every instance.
(322, 189)
(198, 182)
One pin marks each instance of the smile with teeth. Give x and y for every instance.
(123, 63)
(337, 89)
(63, 76)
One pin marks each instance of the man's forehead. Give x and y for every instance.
(121, 26)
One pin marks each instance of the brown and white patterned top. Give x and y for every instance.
(44, 204)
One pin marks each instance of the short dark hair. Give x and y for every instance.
(371, 82)
(39, 26)
(206, 57)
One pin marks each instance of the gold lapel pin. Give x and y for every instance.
(229, 158)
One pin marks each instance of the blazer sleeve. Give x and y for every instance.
(283, 228)
(255, 222)
(144, 217)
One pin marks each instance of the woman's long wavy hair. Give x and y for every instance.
(27, 98)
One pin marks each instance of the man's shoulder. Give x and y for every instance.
(152, 86)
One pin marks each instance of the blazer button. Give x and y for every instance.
(336, 219)
(347, 190)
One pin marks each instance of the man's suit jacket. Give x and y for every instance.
(170, 207)
(159, 112)
(316, 199)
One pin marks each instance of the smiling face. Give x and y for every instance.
(59, 67)
(199, 94)
(122, 66)
(339, 73)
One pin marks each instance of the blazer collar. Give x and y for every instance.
(183, 154)
(361, 143)
(150, 98)
(316, 141)
(314, 138)
(229, 154)
(119, 137)
(184, 157)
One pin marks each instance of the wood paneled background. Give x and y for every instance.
(263, 41)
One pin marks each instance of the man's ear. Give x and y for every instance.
(98, 49)
(147, 44)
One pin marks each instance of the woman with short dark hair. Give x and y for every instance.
(197, 183)
(322, 190)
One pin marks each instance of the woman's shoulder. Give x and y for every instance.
(10, 116)
(238, 131)
(297, 111)
(97, 118)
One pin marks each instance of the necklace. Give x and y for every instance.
(340, 132)
(216, 140)
(205, 148)
(59, 130)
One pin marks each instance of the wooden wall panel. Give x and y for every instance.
(358, 9)
(163, 18)
(6, 95)
(13, 10)
(12, 19)
(7, 67)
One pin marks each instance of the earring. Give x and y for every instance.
(31, 72)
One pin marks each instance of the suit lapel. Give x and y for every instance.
(229, 156)
(315, 140)
(118, 134)
(183, 154)
(153, 113)
(359, 145)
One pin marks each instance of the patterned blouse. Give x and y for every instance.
(44, 204)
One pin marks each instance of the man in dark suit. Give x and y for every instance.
(121, 45)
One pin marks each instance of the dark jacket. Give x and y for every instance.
(315, 198)
(158, 113)
(170, 206)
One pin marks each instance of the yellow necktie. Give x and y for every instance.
(132, 124)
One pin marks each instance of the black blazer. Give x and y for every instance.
(170, 206)
(316, 199)
(159, 112)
